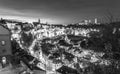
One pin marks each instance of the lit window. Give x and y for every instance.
(3, 42)
(4, 60)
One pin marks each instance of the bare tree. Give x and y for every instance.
(109, 17)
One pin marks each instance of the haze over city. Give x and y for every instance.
(59, 11)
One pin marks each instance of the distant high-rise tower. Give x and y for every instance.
(39, 21)
(96, 21)
(86, 22)
(89, 21)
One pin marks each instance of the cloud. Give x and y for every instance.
(56, 4)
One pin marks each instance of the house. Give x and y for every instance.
(5, 43)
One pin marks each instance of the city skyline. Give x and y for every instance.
(59, 11)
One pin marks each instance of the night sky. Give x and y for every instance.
(59, 11)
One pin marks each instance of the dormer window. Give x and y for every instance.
(3, 43)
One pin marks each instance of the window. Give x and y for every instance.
(3, 43)
(3, 51)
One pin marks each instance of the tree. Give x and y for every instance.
(15, 46)
(46, 48)
(15, 51)
(110, 17)
(36, 48)
(26, 39)
(69, 56)
(27, 27)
